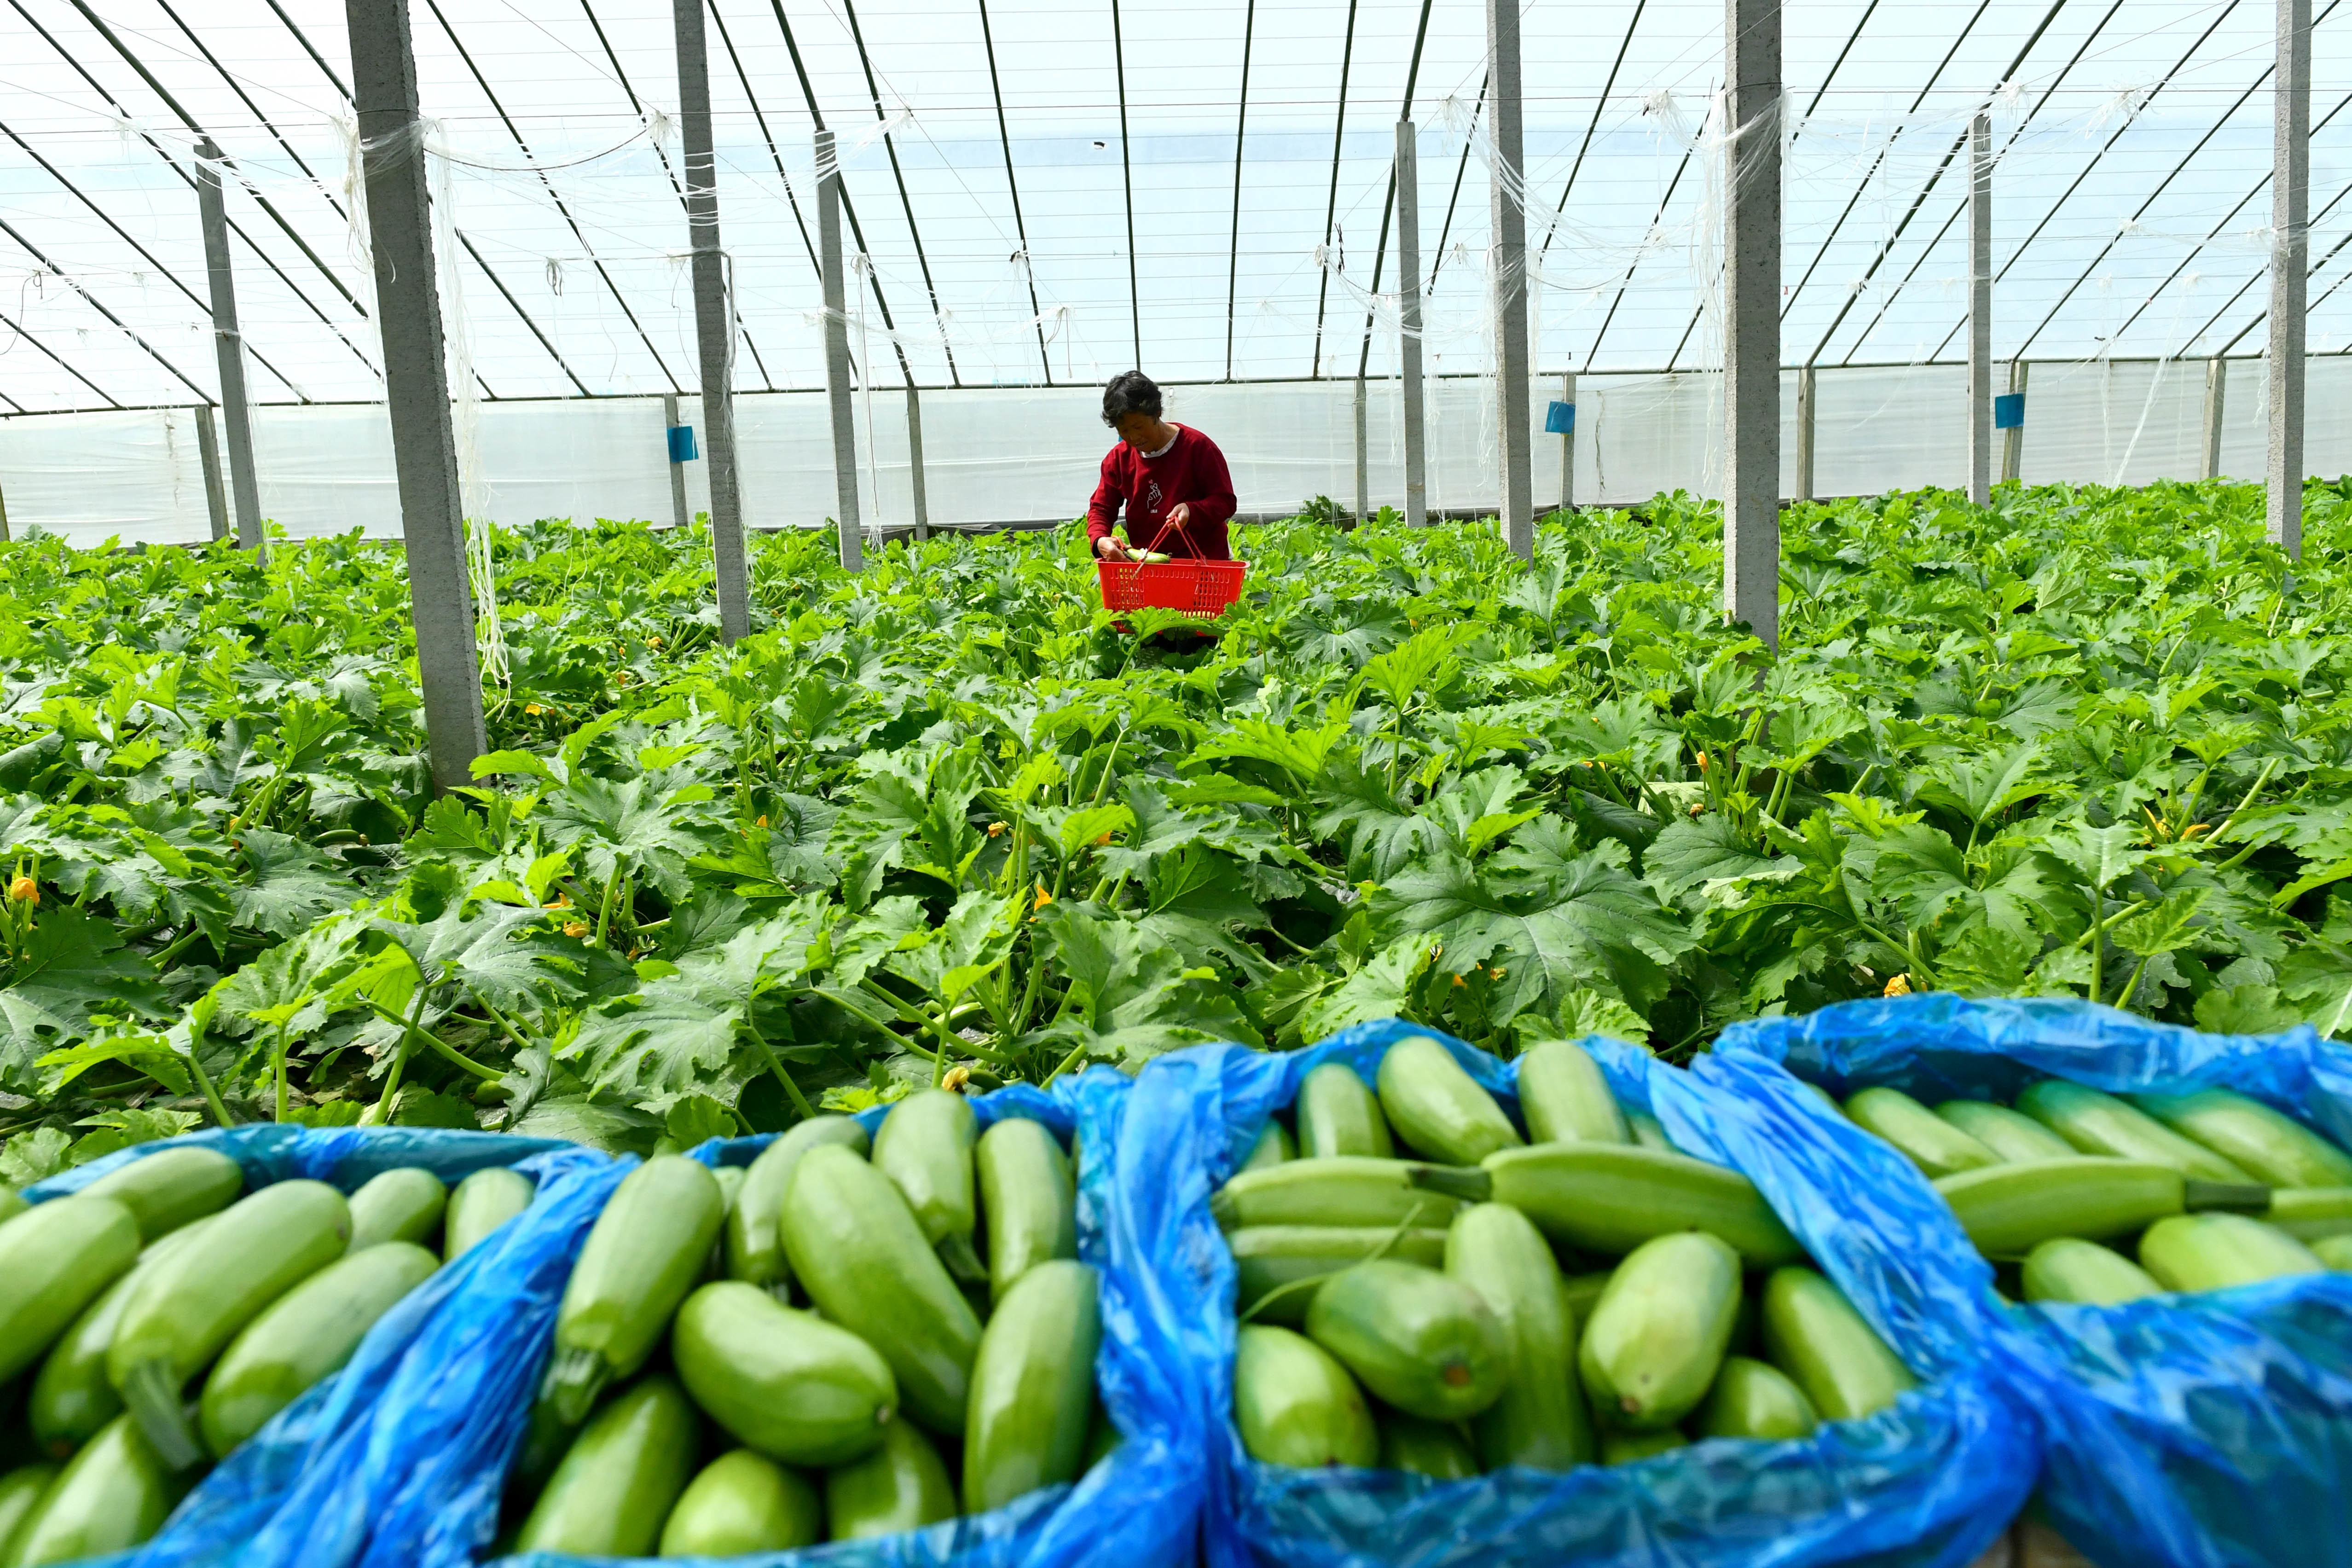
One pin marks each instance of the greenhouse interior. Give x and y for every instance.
(843, 784)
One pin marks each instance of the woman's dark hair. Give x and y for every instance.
(1131, 391)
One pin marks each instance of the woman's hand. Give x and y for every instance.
(1178, 514)
(1109, 549)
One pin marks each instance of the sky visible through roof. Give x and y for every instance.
(997, 156)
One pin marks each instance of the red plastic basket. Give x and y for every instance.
(1195, 587)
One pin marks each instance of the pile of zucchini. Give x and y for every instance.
(157, 1318)
(1590, 1295)
(689, 1408)
(2206, 1190)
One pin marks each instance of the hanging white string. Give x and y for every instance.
(860, 265)
(490, 635)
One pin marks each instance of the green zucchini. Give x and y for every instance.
(185, 1310)
(2011, 1135)
(2336, 1251)
(2309, 1213)
(2010, 1209)
(1439, 1109)
(743, 1503)
(56, 1259)
(1103, 1435)
(304, 1335)
(403, 1204)
(925, 1148)
(168, 1188)
(479, 1205)
(1425, 1448)
(755, 1248)
(903, 1485)
(1539, 1420)
(1565, 1097)
(856, 1247)
(1033, 1386)
(1027, 1199)
(1296, 1406)
(110, 1497)
(21, 1490)
(1925, 1139)
(1273, 1147)
(1611, 1198)
(618, 1481)
(784, 1383)
(1658, 1334)
(1650, 1133)
(2100, 1124)
(1339, 1114)
(1618, 1447)
(1811, 1333)
(1755, 1399)
(2213, 1251)
(1579, 1293)
(1349, 1190)
(1294, 1259)
(72, 1398)
(2065, 1269)
(2272, 1146)
(646, 1252)
(12, 1203)
(1420, 1341)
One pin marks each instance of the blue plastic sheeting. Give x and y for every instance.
(2207, 1431)
(1930, 1482)
(303, 1488)
(1137, 1509)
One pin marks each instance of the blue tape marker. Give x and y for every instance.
(2008, 410)
(1559, 419)
(681, 444)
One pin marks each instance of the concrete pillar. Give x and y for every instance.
(228, 343)
(1363, 465)
(2013, 440)
(1568, 444)
(915, 461)
(1751, 306)
(836, 354)
(416, 386)
(1408, 228)
(678, 514)
(1981, 310)
(209, 455)
(1805, 387)
(2217, 388)
(714, 324)
(2290, 265)
(1507, 264)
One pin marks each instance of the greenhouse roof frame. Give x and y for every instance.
(2127, 159)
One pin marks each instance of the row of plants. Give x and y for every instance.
(946, 822)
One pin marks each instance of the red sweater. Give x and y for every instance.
(1191, 471)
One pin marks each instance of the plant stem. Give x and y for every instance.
(277, 1066)
(612, 888)
(411, 1032)
(2098, 943)
(776, 1066)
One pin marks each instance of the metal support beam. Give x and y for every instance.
(2217, 390)
(4, 518)
(714, 323)
(1752, 309)
(208, 458)
(416, 385)
(2290, 256)
(1508, 268)
(915, 461)
(677, 512)
(1805, 427)
(1568, 445)
(836, 354)
(1363, 462)
(229, 343)
(1981, 310)
(1408, 222)
(2013, 440)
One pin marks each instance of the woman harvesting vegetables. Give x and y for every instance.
(1170, 478)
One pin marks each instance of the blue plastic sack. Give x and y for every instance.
(1931, 1481)
(2206, 1431)
(1137, 1509)
(287, 1489)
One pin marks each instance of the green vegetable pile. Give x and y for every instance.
(164, 1316)
(2219, 1189)
(1463, 1290)
(909, 1338)
(945, 817)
